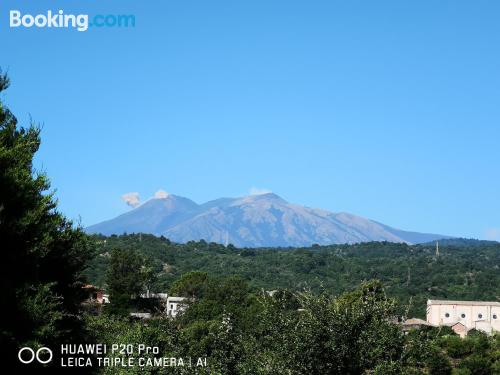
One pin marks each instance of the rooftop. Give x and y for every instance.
(416, 321)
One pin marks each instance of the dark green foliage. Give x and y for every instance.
(477, 365)
(110, 329)
(233, 321)
(192, 284)
(437, 363)
(43, 254)
(411, 274)
(456, 347)
(347, 335)
(125, 280)
(420, 352)
(477, 353)
(244, 333)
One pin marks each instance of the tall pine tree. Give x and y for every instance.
(42, 253)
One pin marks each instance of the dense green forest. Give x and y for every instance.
(464, 269)
(323, 318)
(240, 332)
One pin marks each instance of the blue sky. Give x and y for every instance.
(386, 109)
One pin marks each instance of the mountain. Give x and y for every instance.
(253, 221)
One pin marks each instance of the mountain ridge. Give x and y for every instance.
(252, 221)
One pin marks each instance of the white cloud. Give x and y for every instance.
(160, 194)
(132, 199)
(259, 191)
(493, 234)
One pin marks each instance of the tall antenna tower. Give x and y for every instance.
(437, 249)
(227, 238)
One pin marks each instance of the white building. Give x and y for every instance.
(172, 305)
(105, 298)
(175, 305)
(463, 316)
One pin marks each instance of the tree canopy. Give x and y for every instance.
(43, 253)
(464, 270)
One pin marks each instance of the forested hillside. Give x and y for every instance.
(464, 269)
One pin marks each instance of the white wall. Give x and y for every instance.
(471, 316)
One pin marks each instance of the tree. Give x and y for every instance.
(192, 284)
(43, 253)
(351, 334)
(161, 333)
(124, 279)
(149, 276)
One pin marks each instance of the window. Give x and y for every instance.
(171, 306)
(480, 316)
(463, 316)
(446, 315)
(494, 316)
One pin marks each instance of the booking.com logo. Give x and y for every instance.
(27, 355)
(80, 22)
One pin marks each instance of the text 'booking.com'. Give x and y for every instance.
(59, 19)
